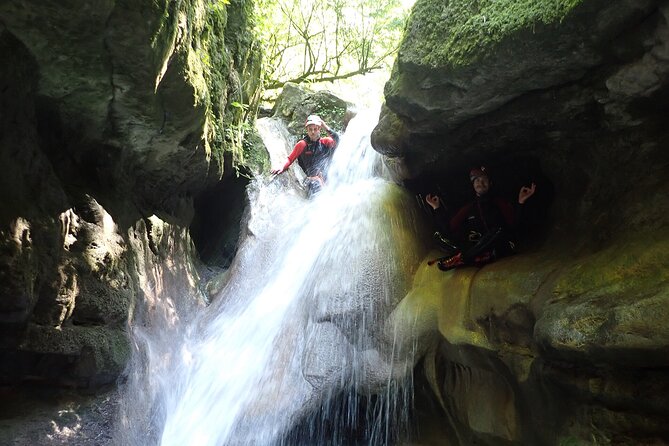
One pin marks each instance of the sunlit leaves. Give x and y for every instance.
(316, 41)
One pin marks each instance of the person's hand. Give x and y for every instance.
(526, 192)
(433, 200)
(277, 171)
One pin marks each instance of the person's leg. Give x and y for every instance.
(491, 246)
(314, 185)
(504, 246)
(452, 253)
(446, 245)
(484, 244)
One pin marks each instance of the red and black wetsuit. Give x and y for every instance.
(314, 156)
(486, 224)
(483, 216)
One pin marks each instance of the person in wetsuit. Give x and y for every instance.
(313, 153)
(482, 230)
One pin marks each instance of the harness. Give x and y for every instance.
(484, 217)
(315, 157)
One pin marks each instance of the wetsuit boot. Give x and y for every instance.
(451, 262)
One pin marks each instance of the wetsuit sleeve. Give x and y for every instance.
(441, 219)
(459, 218)
(297, 151)
(332, 141)
(510, 213)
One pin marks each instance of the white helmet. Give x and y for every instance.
(313, 119)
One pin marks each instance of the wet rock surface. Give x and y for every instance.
(111, 128)
(38, 415)
(105, 158)
(547, 346)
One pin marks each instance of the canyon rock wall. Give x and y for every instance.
(116, 118)
(566, 342)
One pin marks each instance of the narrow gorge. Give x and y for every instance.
(137, 193)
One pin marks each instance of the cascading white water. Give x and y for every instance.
(298, 323)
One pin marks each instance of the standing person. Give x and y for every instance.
(313, 153)
(482, 229)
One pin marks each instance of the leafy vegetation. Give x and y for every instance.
(324, 41)
(211, 43)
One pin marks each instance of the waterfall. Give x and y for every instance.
(295, 349)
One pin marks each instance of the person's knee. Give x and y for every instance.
(504, 248)
(314, 185)
(445, 244)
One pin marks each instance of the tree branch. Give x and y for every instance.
(274, 84)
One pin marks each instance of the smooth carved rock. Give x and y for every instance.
(572, 326)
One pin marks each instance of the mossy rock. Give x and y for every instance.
(458, 32)
(83, 357)
(295, 103)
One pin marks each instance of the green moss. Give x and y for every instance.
(215, 66)
(457, 32)
(255, 153)
(332, 113)
(230, 53)
(639, 263)
(196, 33)
(97, 354)
(165, 30)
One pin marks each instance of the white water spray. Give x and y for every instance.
(298, 321)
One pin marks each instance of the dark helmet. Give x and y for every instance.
(478, 172)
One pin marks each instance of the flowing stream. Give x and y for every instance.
(295, 349)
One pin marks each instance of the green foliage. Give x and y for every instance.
(215, 48)
(255, 153)
(316, 41)
(459, 31)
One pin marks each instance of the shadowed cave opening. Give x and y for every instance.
(508, 174)
(217, 221)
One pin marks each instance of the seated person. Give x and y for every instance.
(480, 231)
